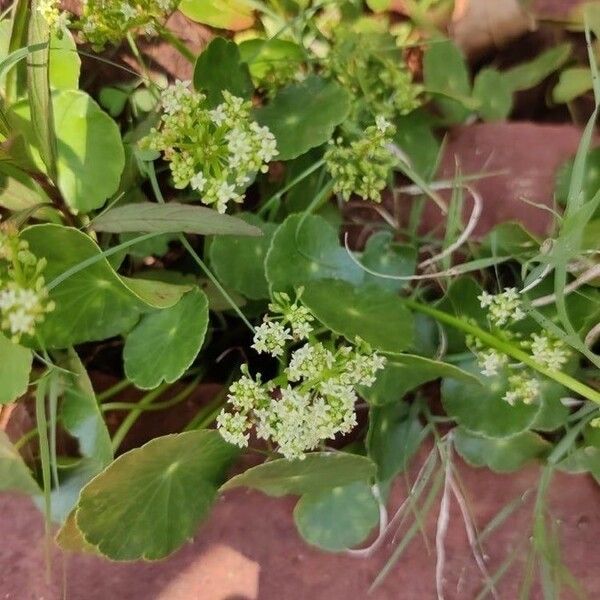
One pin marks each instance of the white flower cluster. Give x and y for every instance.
(109, 21)
(503, 308)
(522, 388)
(23, 294)
(362, 167)
(56, 19)
(311, 401)
(217, 152)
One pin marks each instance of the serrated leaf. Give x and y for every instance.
(481, 409)
(15, 366)
(239, 262)
(339, 518)
(172, 217)
(317, 472)
(306, 248)
(500, 455)
(151, 500)
(15, 476)
(375, 315)
(94, 303)
(231, 75)
(165, 343)
(406, 372)
(494, 94)
(304, 115)
(234, 15)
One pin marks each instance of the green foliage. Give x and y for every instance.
(165, 343)
(15, 366)
(224, 14)
(142, 491)
(14, 474)
(304, 115)
(232, 75)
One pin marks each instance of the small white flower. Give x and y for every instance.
(382, 123)
(198, 181)
(233, 428)
(270, 337)
(309, 362)
(553, 354)
(218, 115)
(491, 362)
(129, 12)
(522, 388)
(503, 308)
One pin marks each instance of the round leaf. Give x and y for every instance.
(481, 409)
(150, 500)
(231, 75)
(239, 262)
(339, 518)
(317, 472)
(304, 115)
(94, 303)
(501, 455)
(375, 315)
(165, 343)
(306, 248)
(64, 62)
(262, 55)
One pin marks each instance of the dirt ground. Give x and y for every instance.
(249, 550)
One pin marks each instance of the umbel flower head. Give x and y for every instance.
(313, 398)
(216, 152)
(56, 19)
(23, 294)
(109, 21)
(362, 167)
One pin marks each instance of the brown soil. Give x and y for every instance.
(249, 550)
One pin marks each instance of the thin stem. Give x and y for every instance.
(507, 348)
(160, 198)
(207, 414)
(132, 417)
(178, 44)
(113, 390)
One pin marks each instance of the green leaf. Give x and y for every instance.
(383, 255)
(171, 218)
(90, 155)
(339, 518)
(165, 343)
(375, 315)
(15, 366)
(82, 419)
(481, 409)
(264, 55)
(415, 136)
(234, 15)
(65, 64)
(151, 500)
(94, 303)
(395, 434)
(19, 191)
(532, 73)
(41, 109)
(494, 95)
(591, 178)
(446, 74)
(306, 248)
(582, 460)
(239, 262)
(231, 75)
(553, 413)
(572, 83)
(15, 476)
(304, 115)
(499, 455)
(319, 471)
(407, 372)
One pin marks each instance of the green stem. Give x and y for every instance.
(26, 438)
(194, 254)
(207, 414)
(507, 348)
(178, 44)
(132, 417)
(113, 391)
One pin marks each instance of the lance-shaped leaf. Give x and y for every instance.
(171, 218)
